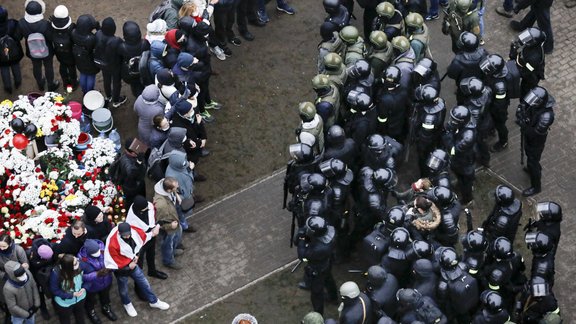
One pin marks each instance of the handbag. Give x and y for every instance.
(187, 204)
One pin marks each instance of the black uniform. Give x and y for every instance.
(424, 278)
(356, 310)
(460, 143)
(539, 12)
(503, 220)
(531, 63)
(498, 107)
(393, 106)
(466, 64)
(381, 289)
(427, 130)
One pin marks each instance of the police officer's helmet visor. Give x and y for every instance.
(542, 208)
(530, 238)
(434, 163)
(421, 70)
(326, 168)
(532, 100)
(486, 66)
(525, 37)
(540, 289)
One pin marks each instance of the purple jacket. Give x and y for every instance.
(90, 266)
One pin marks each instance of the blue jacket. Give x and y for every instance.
(90, 267)
(65, 298)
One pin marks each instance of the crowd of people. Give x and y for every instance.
(378, 96)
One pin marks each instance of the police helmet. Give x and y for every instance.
(376, 143)
(377, 275)
(419, 250)
(543, 268)
(423, 267)
(475, 241)
(331, 6)
(332, 167)
(426, 94)
(414, 21)
(539, 287)
(536, 97)
(472, 87)
(443, 196)
(314, 207)
(502, 248)
(467, 42)
(463, 5)
(532, 36)
(360, 69)
(400, 43)
(459, 116)
(399, 238)
(438, 160)
(424, 69)
(492, 64)
(363, 102)
(301, 153)
(495, 279)
(504, 195)
(539, 242)
(316, 226)
(408, 296)
(349, 34)
(385, 9)
(392, 77)
(379, 39)
(320, 81)
(349, 289)
(336, 135)
(492, 301)
(448, 258)
(385, 178)
(307, 111)
(332, 61)
(395, 216)
(444, 180)
(327, 30)
(549, 211)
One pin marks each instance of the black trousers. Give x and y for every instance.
(204, 94)
(500, 116)
(48, 70)
(68, 74)
(318, 281)
(465, 183)
(533, 147)
(112, 84)
(369, 15)
(541, 15)
(65, 313)
(224, 19)
(103, 296)
(148, 251)
(6, 77)
(246, 11)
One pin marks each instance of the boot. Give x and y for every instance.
(93, 317)
(107, 311)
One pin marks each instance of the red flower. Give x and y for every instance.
(54, 128)
(7, 131)
(49, 220)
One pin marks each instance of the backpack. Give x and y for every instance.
(62, 42)
(43, 279)
(155, 170)
(159, 11)
(9, 49)
(80, 53)
(115, 172)
(145, 75)
(37, 46)
(460, 290)
(100, 54)
(132, 67)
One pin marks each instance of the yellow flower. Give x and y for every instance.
(7, 103)
(58, 99)
(42, 194)
(39, 132)
(70, 197)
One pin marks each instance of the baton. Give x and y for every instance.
(296, 266)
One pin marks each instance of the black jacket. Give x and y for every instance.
(10, 27)
(42, 27)
(82, 37)
(69, 243)
(132, 46)
(107, 46)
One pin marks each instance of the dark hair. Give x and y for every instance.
(78, 224)
(156, 120)
(67, 272)
(422, 203)
(6, 239)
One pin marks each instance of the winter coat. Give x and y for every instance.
(175, 139)
(69, 243)
(98, 231)
(158, 137)
(132, 173)
(64, 297)
(156, 61)
(178, 168)
(132, 46)
(61, 30)
(10, 27)
(90, 266)
(170, 16)
(36, 262)
(146, 107)
(107, 45)
(83, 37)
(20, 296)
(194, 131)
(14, 253)
(118, 253)
(29, 25)
(166, 211)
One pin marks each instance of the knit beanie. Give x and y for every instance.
(139, 204)
(45, 252)
(164, 77)
(61, 19)
(157, 27)
(33, 8)
(124, 228)
(183, 107)
(91, 212)
(91, 246)
(150, 94)
(108, 26)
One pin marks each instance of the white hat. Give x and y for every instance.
(61, 12)
(158, 26)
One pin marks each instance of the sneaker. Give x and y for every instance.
(120, 102)
(213, 105)
(502, 12)
(235, 41)
(284, 7)
(130, 310)
(218, 52)
(432, 17)
(174, 265)
(499, 147)
(207, 117)
(160, 305)
(263, 16)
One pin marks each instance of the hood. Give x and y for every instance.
(9, 267)
(108, 27)
(150, 94)
(131, 33)
(176, 136)
(34, 10)
(187, 24)
(178, 161)
(159, 188)
(172, 38)
(184, 60)
(83, 255)
(157, 49)
(85, 24)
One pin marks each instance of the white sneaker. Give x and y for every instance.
(218, 52)
(160, 305)
(130, 310)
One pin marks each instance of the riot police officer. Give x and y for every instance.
(504, 218)
(414, 307)
(328, 93)
(426, 123)
(337, 13)
(543, 261)
(380, 152)
(331, 43)
(496, 73)
(460, 139)
(378, 53)
(340, 147)
(335, 69)
(303, 161)
(359, 77)
(449, 205)
(370, 203)
(424, 278)
(375, 244)
(417, 33)
(381, 288)
(315, 246)
(389, 20)
(466, 63)
(535, 116)
(395, 260)
(393, 104)
(354, 43)
(356, 307)
(492, 310)
(426, 72)
(460, 17)
(315, 197)
(404, 59)
(362, 119)
(436, 168)
(311, 123)
(537, 302)
(548, 219)
(528, 53)
(474, 245)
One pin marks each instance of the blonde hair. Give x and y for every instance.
(187, 9)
